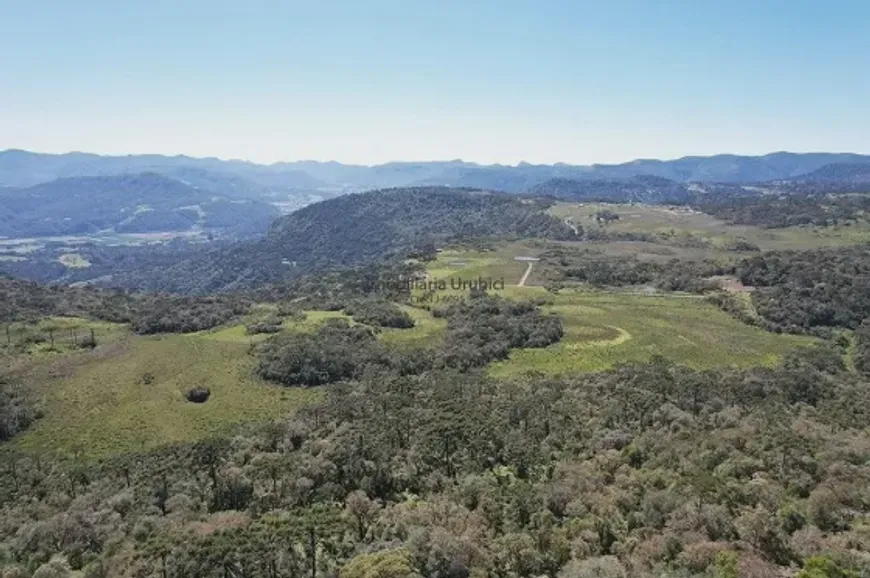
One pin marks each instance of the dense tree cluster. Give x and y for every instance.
(289, 310)
(799, 291)
(178, 314)
(109, 265)
(787, 209)
(146, 313)
(24, 300)
(601, 270)
(480, 329)
(335, 352)
(333, 291)
(485, 328)
(378, 313)
(736, 306)
(270, 324)
(647, 470)
(640, 188)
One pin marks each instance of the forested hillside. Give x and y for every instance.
(858, 172)
(787, 209)
(640, 189)
(358, 229)
(799, 291)
(643, 471)
(369, 226)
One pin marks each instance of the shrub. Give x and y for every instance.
(271, 324)
(379, 313)
(198, 394)
(823, 567)
(290, 311)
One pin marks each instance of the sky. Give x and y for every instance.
(372, 81)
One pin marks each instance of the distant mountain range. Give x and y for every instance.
(82, 193)
(245, 179)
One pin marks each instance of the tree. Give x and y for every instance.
(56, 568)
(824, 567)
(600, 567)
(385, 564)
(727, 564)
(363, 510)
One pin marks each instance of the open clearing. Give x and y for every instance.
(133, 398)
(497, 264)
(427, 330)
(52, 335)
(685, 227)
(238, 333)
(604, 329)
(128, 394)
(74, 261)
(469, 265)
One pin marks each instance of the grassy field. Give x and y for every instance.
(238, 334)
(53, 335)
(606, 328)
(682, 226)
(469, 265)
(499, 264)
(130, 396)
(603, 329)
(426, 331)
(128, 393)
(74, 261)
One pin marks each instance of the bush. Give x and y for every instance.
(198, 394)
(271, 324)
(290, 311)
(822, 567)
(385, 564)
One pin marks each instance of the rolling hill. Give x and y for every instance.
(139, 203)
(640, 189)
(840, 172)
(358, 229)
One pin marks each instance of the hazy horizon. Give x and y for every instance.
(414, 161)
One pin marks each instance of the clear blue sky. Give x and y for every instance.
(487, 81)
